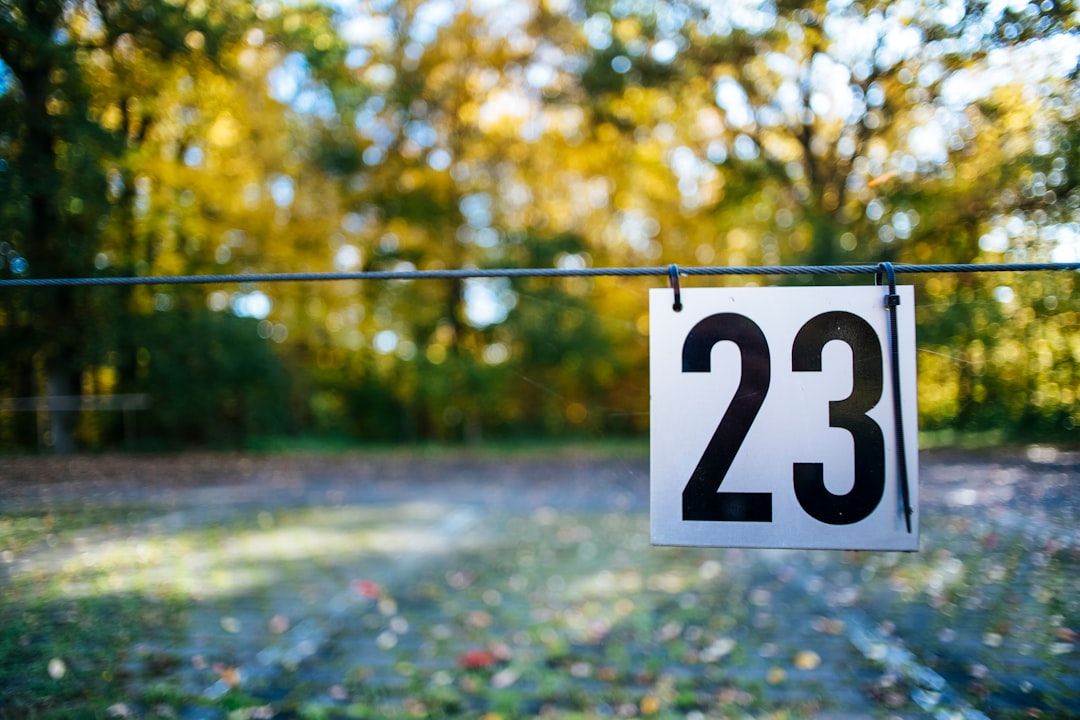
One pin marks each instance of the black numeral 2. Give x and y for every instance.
(701, 498)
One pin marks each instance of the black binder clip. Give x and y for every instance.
(673, 281)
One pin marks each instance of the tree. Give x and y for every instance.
(166, 137)
(112, 112)
(51, 152)
(836, 132)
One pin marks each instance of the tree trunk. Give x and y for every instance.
(58, 329)
(60, 380)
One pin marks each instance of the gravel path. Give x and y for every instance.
(469, 585)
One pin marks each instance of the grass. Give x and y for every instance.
(558, 610)
(58, 524)
(958, 440)
(996, 439)
(67, 657)
(599, 448)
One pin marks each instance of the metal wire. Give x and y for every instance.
(468, 273)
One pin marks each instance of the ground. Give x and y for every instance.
(496, 585)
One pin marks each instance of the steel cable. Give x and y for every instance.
(470, 273)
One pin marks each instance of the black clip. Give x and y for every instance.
(892, 300)
(673, 281)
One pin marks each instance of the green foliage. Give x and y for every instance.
(56, 662)
(211, 380)
(162, 138)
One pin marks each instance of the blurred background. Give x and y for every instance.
(164, 137)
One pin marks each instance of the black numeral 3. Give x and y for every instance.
(849, 414)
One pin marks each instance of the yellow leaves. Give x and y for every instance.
(643, 106)
(576, 413)
(697, 87)
(195, 40)
(436, 353)
(807, 660)
(504, 111)
(627, 30)
(781, 146)
(54, 105)
(607, 133)
(776, 675)
(439, 77)
(410, 179)
(225, 131)
(112, 118)
(642, 325)
(469, 113)
(708, 124)
(976, 356)
(938, 388)
(940, 286)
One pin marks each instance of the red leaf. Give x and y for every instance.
(476, 659)
(367, 588)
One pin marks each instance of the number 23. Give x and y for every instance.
(701, 499)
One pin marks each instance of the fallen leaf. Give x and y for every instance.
(581, 669)
(476, 659)
(279, 624)
(828, 626)
(57, 668)
(718, 649)
(1067, 634)
(607, 674)
(229, 675)
(504, 678)
(501, 651)
(367, 588)
(734, 696)
(807, 660)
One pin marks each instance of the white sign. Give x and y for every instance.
(772, 419)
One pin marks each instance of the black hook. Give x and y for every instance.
(892, 299)
(673, 281)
